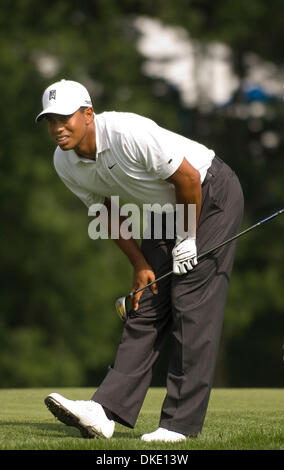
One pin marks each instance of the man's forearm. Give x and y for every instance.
(188, 191)
(132, 251)
(193, 196)
(142, 271)
(186, 180)
(129, 246)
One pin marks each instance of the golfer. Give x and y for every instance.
(123, 154)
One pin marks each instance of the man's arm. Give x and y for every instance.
(143, 272)
(186, 180)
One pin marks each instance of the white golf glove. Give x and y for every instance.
(184, 255)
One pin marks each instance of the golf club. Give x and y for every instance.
(120, 303)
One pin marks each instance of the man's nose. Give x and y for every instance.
(57, 126)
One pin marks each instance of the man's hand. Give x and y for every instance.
(184, 256)
(143, 274)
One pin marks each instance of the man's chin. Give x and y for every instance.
(65, 145)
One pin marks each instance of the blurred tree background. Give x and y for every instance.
(58, 326)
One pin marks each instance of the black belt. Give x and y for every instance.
(213, 169)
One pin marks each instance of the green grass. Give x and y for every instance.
(237, 419)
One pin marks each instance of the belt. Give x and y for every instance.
(213, 169)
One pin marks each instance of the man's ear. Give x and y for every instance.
(89, 114)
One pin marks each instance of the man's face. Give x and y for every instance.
(69, 131)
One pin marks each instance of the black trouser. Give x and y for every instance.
(190, 307)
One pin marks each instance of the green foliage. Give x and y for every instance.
(58, 287)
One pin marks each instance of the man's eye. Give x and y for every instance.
(59, 118)
(66, 118)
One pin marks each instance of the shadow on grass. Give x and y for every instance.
(126, 435)
(58, 430)
(53, 430)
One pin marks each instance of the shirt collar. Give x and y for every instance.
(102, 143)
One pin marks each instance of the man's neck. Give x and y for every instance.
(82, 154)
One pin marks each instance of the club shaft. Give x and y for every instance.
(206, 253)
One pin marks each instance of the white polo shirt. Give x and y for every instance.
(134, 156)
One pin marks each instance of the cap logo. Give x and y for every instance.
(52, 95)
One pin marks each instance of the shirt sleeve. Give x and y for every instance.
(87, 197)
(157, 149)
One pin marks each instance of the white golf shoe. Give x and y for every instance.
(88, 416)
(163, 435)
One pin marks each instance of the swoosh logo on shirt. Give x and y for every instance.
(110, 167)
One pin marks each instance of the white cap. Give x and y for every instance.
(64, 97)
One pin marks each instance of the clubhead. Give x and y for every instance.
(120, 305)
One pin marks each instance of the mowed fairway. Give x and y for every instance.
(237, 419)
